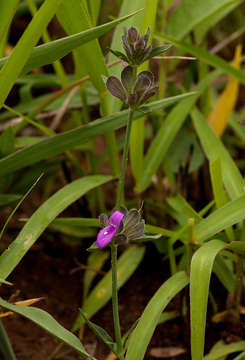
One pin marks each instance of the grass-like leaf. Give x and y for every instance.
(197, 12)
(45, 214)
(141, 336)
(214, 148)
(226, 216)
(101, 294)
(5, 346)
(22, 51)
(206, 56)
(58, 144)
(201, 268)
(224, 350)
(49, 324)
(57, 49)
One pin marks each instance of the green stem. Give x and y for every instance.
(113, 245)
(115, 298)
(124, 160)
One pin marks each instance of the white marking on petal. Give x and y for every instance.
(105, 233)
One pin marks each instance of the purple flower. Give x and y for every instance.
(107, 233)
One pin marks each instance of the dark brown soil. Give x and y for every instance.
(46, 272)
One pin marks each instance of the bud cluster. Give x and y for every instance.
(134, 91)
(132, 94)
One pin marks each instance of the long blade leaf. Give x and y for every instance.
(57, 49)
(141, 336)
(45, 214)
(49, 324)
(201, 268)
(57, 144)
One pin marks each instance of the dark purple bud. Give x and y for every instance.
(146, 53)
(140, 44)
(131, 227)
(131, 219)
(133, 35)
(115, 87)
(144, 81)
(127, 78)
(136, 231)
(127, 48)
(147, 35)
(148, 94)
(123, 210)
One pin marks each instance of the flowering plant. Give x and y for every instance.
(123, 226)
(134, 90)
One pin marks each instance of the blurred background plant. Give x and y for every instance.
(185, 164)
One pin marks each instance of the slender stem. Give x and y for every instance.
(113, 245)
(115, 298)
(124, 160)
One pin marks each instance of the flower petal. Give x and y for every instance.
(127, 78)
(116, 219)
(144, 81)
(115, 87)
(105, 236)
(133, 34)
(148, 94)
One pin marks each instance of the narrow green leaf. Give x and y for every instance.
(197, 12)
(220, 195)
(214, 148)
(100, 332)
(22, 51)
(201, 268)
(57, 144)
(179, 204)
(94, 8)
(95, 262)
(141, 336)
(207, 24)
(101, 294)
(240, 356)
(18, 205)
(163, 139)
(49, 324)
(225, 273)
(8, 199)
(137, 135)
(42, 217)
(237, 128)
(57, 49)
(228, 215)
(89, 222)
(5, 345)
(167, 315)
(206, 56)
(7, 11)
(225, 350)
(167, 132)
(159, 50)
(89, 59)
